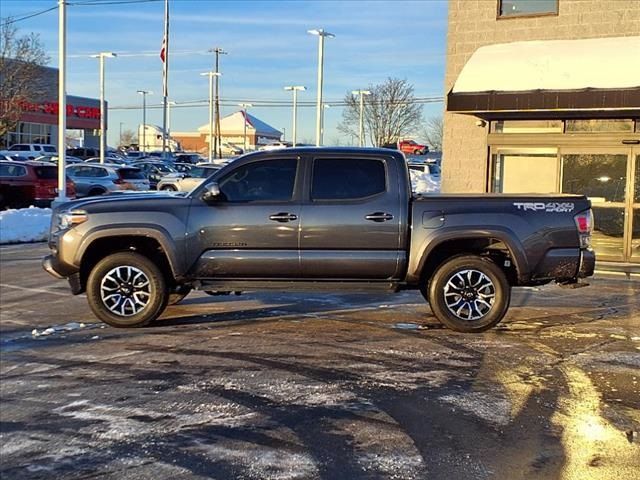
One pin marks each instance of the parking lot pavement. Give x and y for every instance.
(306, 386)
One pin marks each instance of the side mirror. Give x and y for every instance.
(211, 192)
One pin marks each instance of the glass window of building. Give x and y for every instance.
(526, 126)
(599, 125)
(519, 8)
(530, 170)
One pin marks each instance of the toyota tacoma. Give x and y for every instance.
(318, 219)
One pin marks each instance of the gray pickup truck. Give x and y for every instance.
(318, 218)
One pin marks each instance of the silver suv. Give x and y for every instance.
(185, 182)
(93, 179)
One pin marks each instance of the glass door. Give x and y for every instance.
(606, 177)
(634, 244)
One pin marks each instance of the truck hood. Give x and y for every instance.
(124, 200)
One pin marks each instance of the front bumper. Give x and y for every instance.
(53, 266)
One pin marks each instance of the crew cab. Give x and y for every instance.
(318, 218)
(411, 146)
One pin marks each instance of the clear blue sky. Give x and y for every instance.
(268, 48)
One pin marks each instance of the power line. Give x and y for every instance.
(26, 16)
(271, 103)
(109, 2)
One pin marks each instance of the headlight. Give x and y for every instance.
(73, 218)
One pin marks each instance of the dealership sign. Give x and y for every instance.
(51, 108)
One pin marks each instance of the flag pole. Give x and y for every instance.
(165, 78)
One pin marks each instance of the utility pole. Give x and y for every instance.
(244, 118)
(211, 140)
(362, 93)
(103, 129)
(217, 144)
(295, 89)
(144, 94)
(62, 102)
(321, 36)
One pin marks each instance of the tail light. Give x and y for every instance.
(44, 190)
(584, 224)
(118, 181)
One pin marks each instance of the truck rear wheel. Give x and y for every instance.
(469, 293)
(126, 289)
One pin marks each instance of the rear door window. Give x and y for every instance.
(347, 179)
(131, 174)
(46, 173)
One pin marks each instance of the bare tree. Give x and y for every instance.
(390, 112)
(21, 59)
(432, 131)
(129, 137)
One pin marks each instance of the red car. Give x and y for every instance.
(29, 183)
(411, 146)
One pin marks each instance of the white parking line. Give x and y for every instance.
(37, 290)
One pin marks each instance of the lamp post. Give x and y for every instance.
(244, 118)
(321, 36)
(62, 102)
(295, 89)
(144, 94)
(103, 139)
(324, 107)
(361, 93)
(210, 74)
(169, 104)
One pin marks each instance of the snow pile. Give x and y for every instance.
(422, 182)
(67, 327)
(24, 225)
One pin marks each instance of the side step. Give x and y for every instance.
(301, 286)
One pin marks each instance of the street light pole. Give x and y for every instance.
(295, 89)
(218, 140)
(321, 36)
(62, 102)
(169, 104)
(144, 94)
(244, 118)
(211, 145)
(362, 93)
(103, 139)
(324, 107)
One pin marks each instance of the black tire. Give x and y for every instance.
(156, 293)
(177, 294)
(169, 188)
(94, 192)
(469, 302)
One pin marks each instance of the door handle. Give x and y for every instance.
(283, 217)
(379, 217)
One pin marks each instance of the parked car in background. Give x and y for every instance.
(231, 149)
(83, 153)
(411, 146)
(12, 157)
(431, 169)
(188, 158)
(134, 154)
(154, 170)
(69, 159)
(182, 167)
(92, 180)
(33, 150)
(275, 146)
(188, 181)
(23, 184)
(109, 160)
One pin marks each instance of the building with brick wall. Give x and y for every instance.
(544, 97)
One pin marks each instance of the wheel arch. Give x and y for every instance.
(152, 242)
(500, 245)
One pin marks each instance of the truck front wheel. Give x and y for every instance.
(469, 293)
(126, 289)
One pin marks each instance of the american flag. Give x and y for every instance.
(163, 48)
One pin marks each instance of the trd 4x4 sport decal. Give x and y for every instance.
(552, 207)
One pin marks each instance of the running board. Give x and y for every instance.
(302, 286)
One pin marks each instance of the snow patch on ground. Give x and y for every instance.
(422, 182)
(67, 327)
(24, 225)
